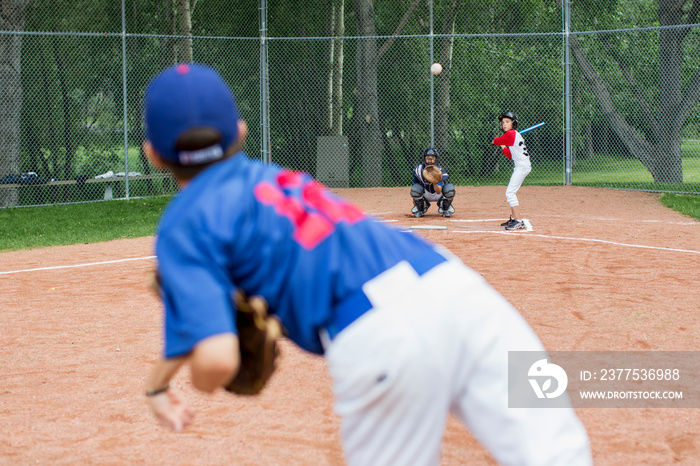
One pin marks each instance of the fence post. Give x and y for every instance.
(432, 100)
(125, 126)
(567, 93)
(265, 154)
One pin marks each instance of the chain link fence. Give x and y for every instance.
(640, 130)
(359, 111)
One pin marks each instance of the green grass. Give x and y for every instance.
(690, 147)
(36, 227)
(685, 204)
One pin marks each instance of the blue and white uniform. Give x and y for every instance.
(353, 288)
(273, 233)
(429, 193)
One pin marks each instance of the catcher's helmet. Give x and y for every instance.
(510, 115)
(430, 151)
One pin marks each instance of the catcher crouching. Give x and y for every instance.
(430, 185)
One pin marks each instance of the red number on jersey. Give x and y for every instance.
(315, 215)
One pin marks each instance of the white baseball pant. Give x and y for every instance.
(432, 197)
(402, 367)
(516, 180)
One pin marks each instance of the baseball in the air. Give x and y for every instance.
(436, 68)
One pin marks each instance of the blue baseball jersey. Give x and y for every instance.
(270, 232)
(427, 185)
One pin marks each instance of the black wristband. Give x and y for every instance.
(157, 391)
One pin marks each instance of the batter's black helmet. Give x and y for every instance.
(510, 115)
(430, 151)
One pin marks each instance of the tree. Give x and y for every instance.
(442, 107)
(367, 101)
(333, 109)
(659, 147)
(178, 19)
(12, 16)
(337, 89)
(185, 29)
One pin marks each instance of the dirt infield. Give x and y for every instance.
(600, 270)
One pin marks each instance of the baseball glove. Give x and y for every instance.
(432, 174)
(257, 336)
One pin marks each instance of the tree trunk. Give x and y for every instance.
(136, 122)
(332, 113)
(184, 18)
(442, 107)
(337, 99)
(50, 127)
(326, 116)
(367, 102)
(168, 54)
(11, 19)
(667, 163)
(67, 132)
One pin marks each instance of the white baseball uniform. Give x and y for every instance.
(424, 365)
(517, 151)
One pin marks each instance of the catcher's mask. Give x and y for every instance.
(430, 151)
(510, 115)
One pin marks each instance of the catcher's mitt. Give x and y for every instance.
(432, 174)
(257, 337)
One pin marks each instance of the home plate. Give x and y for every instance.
(429, 227)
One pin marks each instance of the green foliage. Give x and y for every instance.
(73, 115)
(594, 15)
(72, 121)
(691, 147)
(80, 223)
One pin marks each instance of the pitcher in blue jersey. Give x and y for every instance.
(343, 284)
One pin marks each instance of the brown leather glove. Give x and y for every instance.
(258, 333)
(432, 174)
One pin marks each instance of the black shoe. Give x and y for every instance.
(516, 225)
(508, 222)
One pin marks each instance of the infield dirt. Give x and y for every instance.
(600, 270)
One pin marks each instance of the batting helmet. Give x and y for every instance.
(430, 151)
(510, 115)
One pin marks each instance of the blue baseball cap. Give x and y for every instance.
(184, 97)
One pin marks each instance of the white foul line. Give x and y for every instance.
(78, 265)
(514, 233)
(509, 233)
(476, 220)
